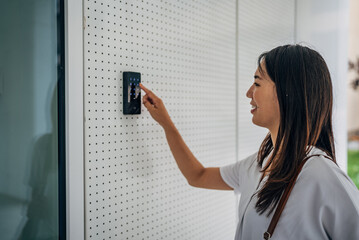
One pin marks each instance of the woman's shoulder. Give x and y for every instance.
(250, 161)
(320, 170)
(329, 196)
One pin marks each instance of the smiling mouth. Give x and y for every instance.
(254, 108)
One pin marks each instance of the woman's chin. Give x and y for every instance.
(258, 123)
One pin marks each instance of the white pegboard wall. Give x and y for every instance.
(185, 51)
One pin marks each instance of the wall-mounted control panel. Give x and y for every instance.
(131, 93)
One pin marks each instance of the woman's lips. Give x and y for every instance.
(254, 108)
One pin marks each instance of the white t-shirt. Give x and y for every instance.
(324, 202)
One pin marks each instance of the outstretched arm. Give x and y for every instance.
(191, 168)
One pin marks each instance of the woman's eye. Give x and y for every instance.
(256, 84)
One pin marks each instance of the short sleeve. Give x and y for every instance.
(235, 173)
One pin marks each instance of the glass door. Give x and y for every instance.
(31, 119)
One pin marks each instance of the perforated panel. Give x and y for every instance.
(262, 25)
(185, 51)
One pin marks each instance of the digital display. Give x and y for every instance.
(131, 93)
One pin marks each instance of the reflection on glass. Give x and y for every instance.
(28, 120)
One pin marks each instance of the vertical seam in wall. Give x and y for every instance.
(295, 20)
(237, 85)
(237, 99)
(83, 118)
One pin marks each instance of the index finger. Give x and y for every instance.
(144, 88)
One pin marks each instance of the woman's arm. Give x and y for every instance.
(191, 168)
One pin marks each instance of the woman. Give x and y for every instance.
(292, 97)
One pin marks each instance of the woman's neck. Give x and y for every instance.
(273, 134)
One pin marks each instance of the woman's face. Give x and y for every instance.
(265, 106)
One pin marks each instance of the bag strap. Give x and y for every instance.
(268, 234)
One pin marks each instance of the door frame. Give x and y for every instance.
(75, 208)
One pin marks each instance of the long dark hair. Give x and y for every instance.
(304, 91)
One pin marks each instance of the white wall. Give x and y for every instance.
(185, 52)
(323, 25)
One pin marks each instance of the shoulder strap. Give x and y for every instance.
(268, 234)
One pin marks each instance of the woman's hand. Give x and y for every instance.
(156, 108)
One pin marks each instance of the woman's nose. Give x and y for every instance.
(249, 93)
